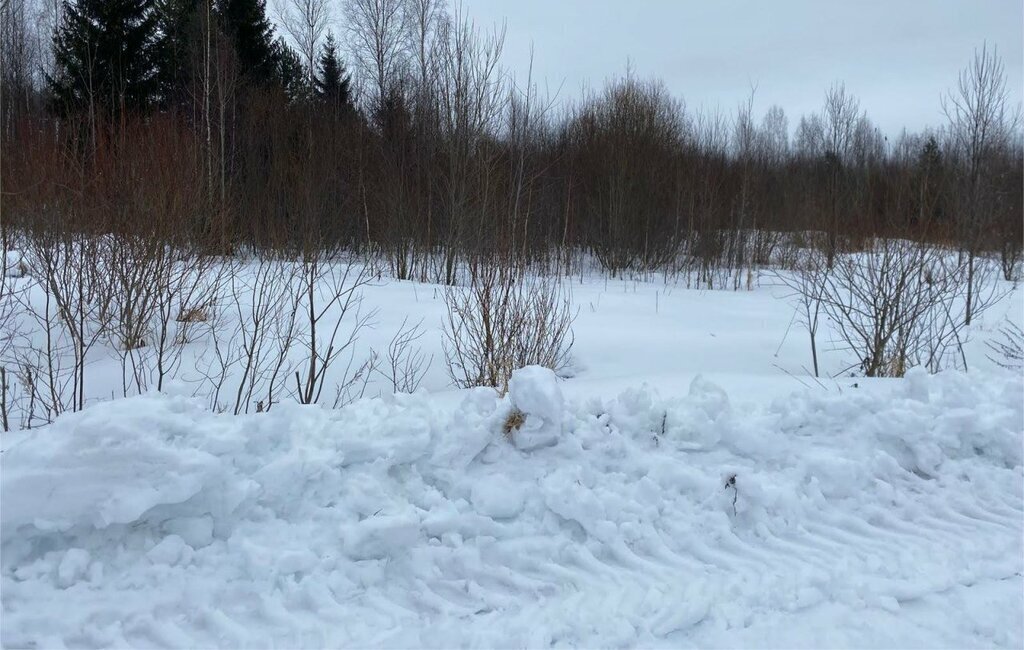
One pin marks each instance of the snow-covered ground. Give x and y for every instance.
(688, 487)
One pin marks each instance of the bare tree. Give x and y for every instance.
(379, 38)
(841, 112)
(981, 122)
(840, 116)
(19, 53)
(627, 143)
(424, 20)
(471, 95)
(746, 143)
(775, 135)
(306, 22)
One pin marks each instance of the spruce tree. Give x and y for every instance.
(180, 48)
(290, 72)
(246, 23)
(930, 178)
(105, 56)
(333, 82)
(393, 117)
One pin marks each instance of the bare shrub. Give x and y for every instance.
(503, 321)
(11, 269)
(134, 268)
(1008, 351)
(251, 332)
(329, 297)
(1009, 258)
(897, 305)
(186, 289)
(278, 327)
(73, 317)
(406, 365)
(805, 283)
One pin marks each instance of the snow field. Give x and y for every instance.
(888, 515)
(627, 331)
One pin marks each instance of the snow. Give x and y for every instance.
(13, 264)
(534, 393)
(688, 486)
(72, 566)
(863, 518)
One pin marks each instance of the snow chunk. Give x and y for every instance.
(498, 497)
(171, 551)
(381, 536)
(534, 390)
(72, 567)
(197, 532)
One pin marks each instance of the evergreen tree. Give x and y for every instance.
(333, 84)
(393, 118)
(180, 48)
(290, 71)
(931, 155)
(930, 173)
(246, 23)
(105, 56)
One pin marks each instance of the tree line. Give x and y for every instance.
(402, 136)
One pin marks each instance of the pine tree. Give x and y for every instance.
(246, 23)
(105, 56)
(333, 84)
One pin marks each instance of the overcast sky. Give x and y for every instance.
(896, 56)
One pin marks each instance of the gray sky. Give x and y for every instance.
(896, 56)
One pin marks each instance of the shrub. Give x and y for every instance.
(502, 321)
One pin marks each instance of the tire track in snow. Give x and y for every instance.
(616, 542)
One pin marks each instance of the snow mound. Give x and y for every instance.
(867, 518)
(14, 264)
(100, 468)
(534, 392)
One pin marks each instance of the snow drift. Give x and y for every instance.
(882, 516)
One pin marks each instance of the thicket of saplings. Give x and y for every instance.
(223, 238)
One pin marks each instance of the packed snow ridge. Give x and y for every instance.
(872, 517)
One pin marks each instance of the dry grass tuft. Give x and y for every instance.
(513, 421)
(196, 314)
